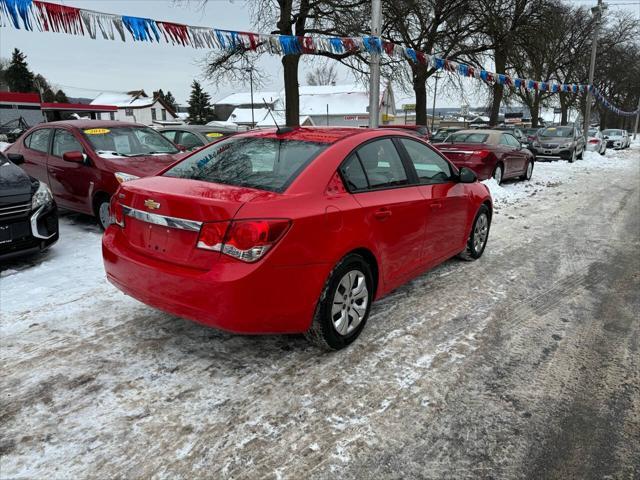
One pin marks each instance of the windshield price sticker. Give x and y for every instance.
(214, 134)
(97, 131)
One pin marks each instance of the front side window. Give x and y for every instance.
(170, 135)
(382, 164)
(190, 140)
(39, 140)
(512, 141)
(430, 167)
(128, 141)
(63, 142)
(263, 163)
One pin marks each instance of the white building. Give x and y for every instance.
(136, 106)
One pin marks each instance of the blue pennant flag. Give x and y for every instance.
(289, 44)
(141, 28)
(17, 9)
(373, 44)
(336, 45)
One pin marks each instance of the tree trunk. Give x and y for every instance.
(535, 110)
(564, 109)
(498, 89)
(420, 89)
(291, 90)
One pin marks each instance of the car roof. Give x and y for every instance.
(196, 128)
(82, 124)
(310, 134)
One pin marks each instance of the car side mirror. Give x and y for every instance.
(16, 158)
(73, 156)
(466, 175)
(182, 148)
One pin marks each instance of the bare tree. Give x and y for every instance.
(322, 75)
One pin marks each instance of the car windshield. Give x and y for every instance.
(128, 141)
(531, 131)
(263, 163)
(557, 132)
(593, 131)
(467, 138)
(612, 133)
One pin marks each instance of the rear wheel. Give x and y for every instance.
(344, 305)
(479, 235)
(529, 171)
(498, 173)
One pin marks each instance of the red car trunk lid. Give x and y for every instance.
(163, 215)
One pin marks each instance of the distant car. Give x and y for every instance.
(293, 231)
(596, 141)
(84, 161)
(28, 213)
(516, 132)
(419, 131)
(531, 135)
(616, 138)
(565, 142)
(190, 137)
(443, 133)
(489, 153)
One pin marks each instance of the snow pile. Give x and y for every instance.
(4, 146)
(552, 174)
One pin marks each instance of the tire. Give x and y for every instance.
(102, 212)
(498, 174)
(474, 249)
(581, 156)
(337, 307)
(572, 158)
(604, 151)
(529, 171)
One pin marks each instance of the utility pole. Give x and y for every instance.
(597, 13)
(374, 66)
(433, 109)
(635, 130)
(253, 121)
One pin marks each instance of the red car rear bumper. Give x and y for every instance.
(254, 298)
(482, 169)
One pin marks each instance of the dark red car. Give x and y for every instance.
(489, 153)
(293, 231)
(84, 161)
(419, 131)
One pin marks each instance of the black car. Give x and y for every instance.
(28, 213)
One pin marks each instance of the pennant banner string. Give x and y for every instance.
(51, 17)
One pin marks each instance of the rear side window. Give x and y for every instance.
(382, 164)
(430, 167)
(511, 140)
(169, 134)
(39, 140)
(263, 163)
(353, 174)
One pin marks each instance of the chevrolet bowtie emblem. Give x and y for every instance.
(151, 204)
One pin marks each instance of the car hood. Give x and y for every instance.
(555, 140)
(141, 166)
(13, 180)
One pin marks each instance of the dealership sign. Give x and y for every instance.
(356, 117)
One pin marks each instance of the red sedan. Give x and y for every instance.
(296, 230)
(489, 153)
(84, 161)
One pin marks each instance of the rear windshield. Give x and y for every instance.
(467, 138)
(263, 163)
(557, 132)
(128, 141)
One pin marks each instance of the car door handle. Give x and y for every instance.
(435, 205)
(382, 214)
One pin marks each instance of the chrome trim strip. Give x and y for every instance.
(466, 152)
(34, 225)
(162, 220)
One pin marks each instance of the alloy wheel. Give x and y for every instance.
(529, 170)
(497, 175)
(103, 215)
(480, 232)
(350, 302)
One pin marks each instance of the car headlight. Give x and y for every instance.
(41, 197)
(125, 177)
(535, 143)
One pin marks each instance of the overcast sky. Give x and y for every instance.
(85, 67)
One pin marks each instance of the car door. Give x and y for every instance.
(507, 155)
(71, 183)
(35, 153)
(393, 207)
(446, 207)
(520, 156)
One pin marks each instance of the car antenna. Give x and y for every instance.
(279, 130)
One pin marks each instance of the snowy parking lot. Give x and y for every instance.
(523, 364)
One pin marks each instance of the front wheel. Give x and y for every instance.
(572, 158)
(581, 156)
(344, 305)
(102, 213)
(479, 235)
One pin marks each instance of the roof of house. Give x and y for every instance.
(341, 99)
(243, 115)
(244, 98)
(18, 97)
(268, 121)
(132, 99)
(78, 107)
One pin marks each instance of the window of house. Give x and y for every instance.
(153, 114)
(128, 112)
(39, 140)
(112, 115)
(164, 114)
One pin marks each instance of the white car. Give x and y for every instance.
(596, 142)
(616, 138)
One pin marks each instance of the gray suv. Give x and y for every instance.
(559, 142)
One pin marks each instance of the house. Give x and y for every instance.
(240, 105)
(136, 106)
(15, 106)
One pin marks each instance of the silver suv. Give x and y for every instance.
(564, 142)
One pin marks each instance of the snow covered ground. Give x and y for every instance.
(96, 384)
(4, 146)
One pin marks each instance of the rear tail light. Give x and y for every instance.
(594, 140)
(115, 210)
(246, 240)
(480, 154)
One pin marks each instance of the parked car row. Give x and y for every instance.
(617, 138)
